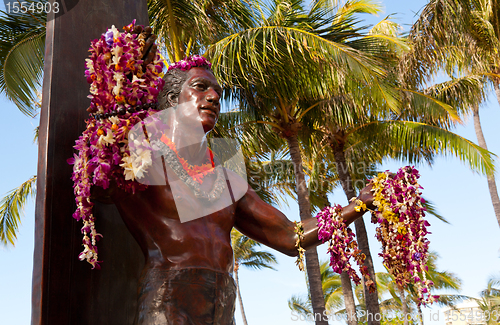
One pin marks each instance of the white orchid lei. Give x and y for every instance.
(118, 85)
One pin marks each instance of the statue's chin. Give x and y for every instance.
(207, 127)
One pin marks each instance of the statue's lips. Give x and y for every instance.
(209, 111)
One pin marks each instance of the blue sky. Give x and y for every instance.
(468, 247)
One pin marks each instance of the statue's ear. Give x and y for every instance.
(167, 99)
(171, 99)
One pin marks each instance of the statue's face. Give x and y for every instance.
(202, 89)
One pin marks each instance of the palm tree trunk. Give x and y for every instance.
(312, 262)
(350, 305)
(372, 306)
(492, 186)
(404, 305)
(239, 296)
(420, 314)
(497, 89)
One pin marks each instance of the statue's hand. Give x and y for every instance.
(366, 195)
(149, 50)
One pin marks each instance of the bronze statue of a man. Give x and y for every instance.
(186, 278)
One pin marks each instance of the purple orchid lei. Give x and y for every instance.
(342, 244)
(402, 229)
(190, 62)
(117, 85)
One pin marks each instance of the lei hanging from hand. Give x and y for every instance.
(401, 230)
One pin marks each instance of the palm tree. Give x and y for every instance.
(461, 37)
(246, 254)
(22, 47)
(406, 300)
(332, 288)
(489, 303)
(319, 42)
(10, 210)
(361, 132)
(12, 205)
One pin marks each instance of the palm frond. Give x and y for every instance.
(428, 109)
(430, 208)
(199, 23)
(300, 305)
(332, 290)
(450, 300)
(255, 57)
(402, 138)
(11, 208)
(462, 92)
(245, 252)
(22, 48)
(356, 7)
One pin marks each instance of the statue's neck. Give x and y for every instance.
(191, 145)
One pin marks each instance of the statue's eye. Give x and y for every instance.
(200, 86)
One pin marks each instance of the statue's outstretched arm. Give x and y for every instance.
(264, 223)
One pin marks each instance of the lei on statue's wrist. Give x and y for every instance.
(122, 94)
(342, 245)
(299, 231)
(401, 230)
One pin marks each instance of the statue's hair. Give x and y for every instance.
(174, 79)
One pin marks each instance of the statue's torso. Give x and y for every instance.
(152, 218)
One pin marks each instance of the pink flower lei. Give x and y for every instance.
(118, 85)
(342, 244)
(190, 62)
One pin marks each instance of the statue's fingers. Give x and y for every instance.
(138, 29)
(147, 31)
(150, 42)
(150, 56)
(152, 49)
(148, 60)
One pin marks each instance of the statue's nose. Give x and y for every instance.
(213, 97)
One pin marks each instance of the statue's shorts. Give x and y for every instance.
(186, 297)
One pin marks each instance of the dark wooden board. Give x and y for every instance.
(65, 290)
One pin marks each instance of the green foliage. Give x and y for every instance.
(246, 253)
(413, 141)
(322, 48)
(332, 290)
(441, 279)
(489, 303)
(22, 48)
(188, 27)
(10, 210)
